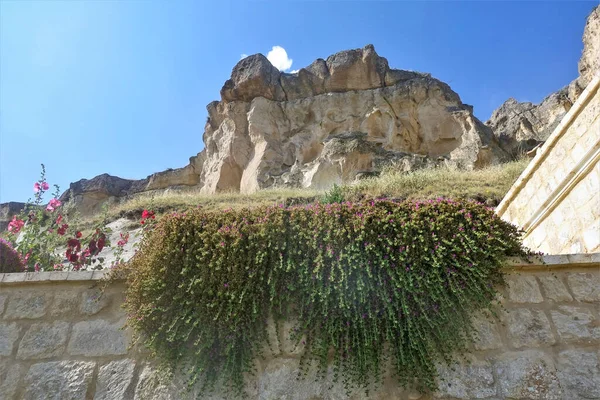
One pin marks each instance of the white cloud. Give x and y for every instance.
(279, 58)
(242, 56)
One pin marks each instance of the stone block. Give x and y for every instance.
(152, 386)
(64, 380)
(114, 379)
(10, 374)
(65, 302)
(474, 380)
(554, 289)
(93, 301)
(9, 333)
(575, 324)
(2, 303)
(523, 289)
(98, 338)
(585, 286)
(279, 381)
(26, 305)
(44, 340)
(528, 328)
(579, 374)
(527, 375)
(488, 337)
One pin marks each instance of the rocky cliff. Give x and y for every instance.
(335, 119)
(520, 127)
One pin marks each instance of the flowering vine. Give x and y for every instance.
(353, 279)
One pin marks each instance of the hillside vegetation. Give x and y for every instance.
(486, 185)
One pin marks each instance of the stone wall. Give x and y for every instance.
(556, 200)
(60, 339)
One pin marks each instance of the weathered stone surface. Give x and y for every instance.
(9, 333)
(488, 337)
(579, 373)
(555, 289)
(10, 372)
(114, 379)
(98, 338)
(585, 287)
(93, 301)
(527, 375)
(65, 380)
(522, 126)
(2, 303)
(152, 386)
(575, 323)
(589, 64)
(7, 211)
(278, 381)
(466, 381)
(43, 340)
(253, 76)
(65, 302)
(26, 305)
(523, 289)
(528, 328)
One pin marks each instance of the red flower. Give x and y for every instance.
(147, 214)
(101, 243)
(59, 219)
(62, 229)
(78, 234)
(15, 225)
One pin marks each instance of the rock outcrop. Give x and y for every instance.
(333, 120)
(520, 127)
(7, 211)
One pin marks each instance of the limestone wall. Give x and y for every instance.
(59, 339)
(556, 200)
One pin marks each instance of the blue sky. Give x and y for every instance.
(88, 87)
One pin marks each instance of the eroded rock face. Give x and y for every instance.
(520, 127)
(333, 120)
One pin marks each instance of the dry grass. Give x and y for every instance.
(488, 184)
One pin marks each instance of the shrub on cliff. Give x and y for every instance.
(9, 258)
(355, 279)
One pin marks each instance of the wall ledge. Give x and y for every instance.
(549, 261)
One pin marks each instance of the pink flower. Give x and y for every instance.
(15, 225)
(52, 204)
(45, 186)
(36, 187)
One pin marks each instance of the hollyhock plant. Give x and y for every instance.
(53, 204)
(36, 235)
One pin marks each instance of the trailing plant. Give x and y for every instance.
(355, 279)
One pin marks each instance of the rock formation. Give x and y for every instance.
(520, 127)
(337, 118)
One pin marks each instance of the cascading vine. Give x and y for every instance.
(363, 284)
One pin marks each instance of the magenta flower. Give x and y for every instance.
(15, 225)
(53, 204)
(36, 187)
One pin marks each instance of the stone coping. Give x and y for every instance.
(556, 261)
